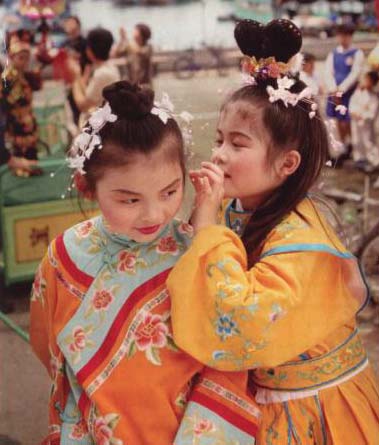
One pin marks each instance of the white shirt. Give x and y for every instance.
(364, 103)
(351, 79)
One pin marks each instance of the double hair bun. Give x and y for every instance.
(128, 100)
(280, 39)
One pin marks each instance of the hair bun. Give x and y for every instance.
(128, 100)
(280, 39)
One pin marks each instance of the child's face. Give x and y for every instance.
(21, 60)
(242, 153)
(137, 36)
(344, 40)
(309, 67)
(366, 83)
(139, 199)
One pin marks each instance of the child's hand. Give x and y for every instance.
(209, 186)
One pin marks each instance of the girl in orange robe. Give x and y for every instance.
(100, 311)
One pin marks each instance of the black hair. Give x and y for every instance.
(374, 77)
(308, 57)
(136, 131)
(100, 41)
(287, 127)
(76, 19)
(145, 32)
(345, 29)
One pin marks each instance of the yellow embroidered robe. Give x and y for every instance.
(290, 320)
(100, 323)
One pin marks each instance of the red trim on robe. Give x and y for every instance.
(226, 413)
(77, 274)
(118, 323)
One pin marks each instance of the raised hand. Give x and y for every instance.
(208, 182)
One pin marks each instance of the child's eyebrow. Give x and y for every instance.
(130, 192)
(172, 184)
(239, 133)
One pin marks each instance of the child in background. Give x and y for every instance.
(342, 71)
(281, 300)
(307, 73)
(364, 106)
(100, 311)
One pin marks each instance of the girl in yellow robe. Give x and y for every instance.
(281, 300)
(100, 311)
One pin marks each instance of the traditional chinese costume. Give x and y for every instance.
(16, 94)
(100, 323)
(289, 319)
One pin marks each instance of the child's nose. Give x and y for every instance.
(218, 156)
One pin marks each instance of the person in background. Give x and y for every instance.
(307, 73)
(16, 94)
(364, 106)
(342, 70)
(88, 86)
(75, 46)
(75, 39)
(138, 54)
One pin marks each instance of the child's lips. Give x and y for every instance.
(149, 230)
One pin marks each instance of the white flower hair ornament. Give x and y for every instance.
(284, 94)
(164, 109)
(89, 140)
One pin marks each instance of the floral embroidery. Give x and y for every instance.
(276, 312)
(226, 327)
(168, 245)
(228, 290)
(287, 226)
(77, 341)
(203, 426)
(151, 335)
(103, 430)
(56, 368)
(84, 229)
(129, 261)
(102, 298)
(39, 286)
(79, 430)
(201, 430)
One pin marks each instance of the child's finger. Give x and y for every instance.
(213, 167)
(214, 178)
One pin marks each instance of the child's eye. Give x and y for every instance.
(130, 201)
(169, 194)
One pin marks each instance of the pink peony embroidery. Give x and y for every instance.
(151, 332)
(203, 426)
(127, 262)
(78, 431)
(101, 300)
(39, 286)
(102, 432)
(84, 229)
(78, 339)
(168, 245)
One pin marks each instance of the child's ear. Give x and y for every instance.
(81, 185)
(289, 163)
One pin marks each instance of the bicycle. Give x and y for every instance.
(361, 233)
(191, 61)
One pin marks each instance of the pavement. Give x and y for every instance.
(24, 386)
